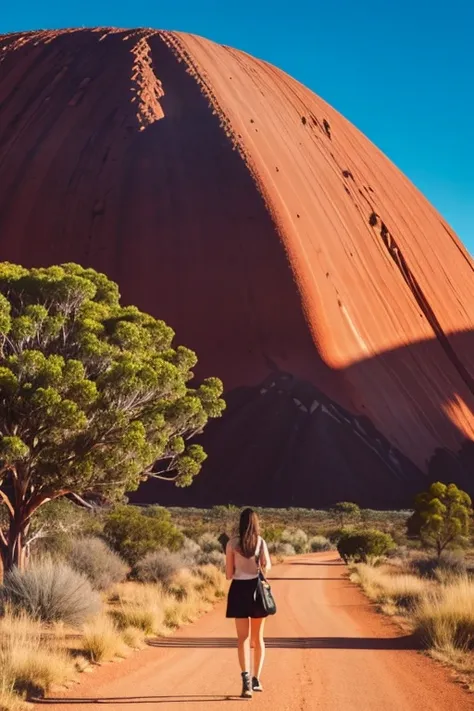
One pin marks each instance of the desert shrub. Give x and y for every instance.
(362, 545)
(346, 511)
(209, 543)
(399, 553)
(190, 551)
(102, 640)
(134, 532)
(320, 543)
(51, 592)
(216, 558)
(273, 534)
(298, 539)
(281, 549)
(447, 565)
(93, 558)
(159, 567)
(195, 530)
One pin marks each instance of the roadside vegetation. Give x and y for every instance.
(85, 602)
(428, 582)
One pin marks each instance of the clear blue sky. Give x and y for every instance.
(401, 70)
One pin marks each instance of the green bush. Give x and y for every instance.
(52, 592)
(362, 545)
(134, 532)
(320, 543)
(273, 534)
(336, 534)
(159, 567)
(93, 558)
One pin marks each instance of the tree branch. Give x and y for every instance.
(163, 478)
(3, 540)
(7, 503)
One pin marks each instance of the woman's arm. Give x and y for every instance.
(229, 562)
(265, 560)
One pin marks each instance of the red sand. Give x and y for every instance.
(231, 201)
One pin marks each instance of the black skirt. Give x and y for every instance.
(242, 602)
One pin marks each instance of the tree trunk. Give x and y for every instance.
(13, 554)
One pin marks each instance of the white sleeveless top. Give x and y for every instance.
(246, 568)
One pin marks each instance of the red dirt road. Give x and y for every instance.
(327, 651)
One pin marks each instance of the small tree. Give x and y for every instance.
(442, 516)
(93, 396)
(345, 511)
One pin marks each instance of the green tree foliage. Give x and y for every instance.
(92, 395)
(442, 516)
(346, 511)
(133, 532)
(362, 545)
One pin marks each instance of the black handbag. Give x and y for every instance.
(264, 592)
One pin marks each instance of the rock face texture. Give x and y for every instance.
(301, 265)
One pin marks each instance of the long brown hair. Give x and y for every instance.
(249, 530)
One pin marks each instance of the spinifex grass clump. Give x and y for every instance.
(50, 591)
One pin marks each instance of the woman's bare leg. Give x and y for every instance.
(243, 642)
(257, 627)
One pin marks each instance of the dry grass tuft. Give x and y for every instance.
(29, 663)
(141, 606)
(133, 637)
(9, 700)
(211, 583)
(445, 619)
(102, 640)
(389, 589)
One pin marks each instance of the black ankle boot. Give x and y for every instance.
(246, 686)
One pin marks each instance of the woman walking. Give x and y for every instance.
(245, 554)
